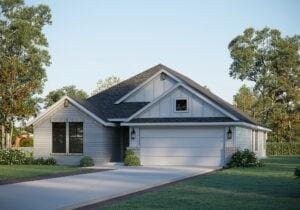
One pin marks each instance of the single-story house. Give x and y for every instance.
(163, 116)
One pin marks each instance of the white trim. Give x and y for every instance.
(117, 119)
(144, 83)
(61, 101)
(248, 125)
(175, 107)
(192, 91)
(213, 104)
(153, 102)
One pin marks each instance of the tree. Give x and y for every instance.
(272, 62)
(71, 90)
(246, 101)
(105, 84)
(23, 58)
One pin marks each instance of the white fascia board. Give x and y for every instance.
(79, 106)
(213, 104)
(117, 119)
(153, 102)
(144, 83)
(248, 125)
(188, 89)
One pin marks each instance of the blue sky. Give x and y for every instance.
(90, 40)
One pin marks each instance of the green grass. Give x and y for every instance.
(24, 171)
(273, 186)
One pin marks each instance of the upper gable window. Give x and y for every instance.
(181, 105)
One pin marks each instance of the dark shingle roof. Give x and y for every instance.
(103, 103)
(181, 119)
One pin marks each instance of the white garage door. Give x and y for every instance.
(182, 146)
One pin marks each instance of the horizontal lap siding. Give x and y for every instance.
(99, 142)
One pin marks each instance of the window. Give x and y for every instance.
(58, 137)
(63, 143)
(181, 105)
(75, 137)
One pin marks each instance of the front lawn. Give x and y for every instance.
(273, 186)
(9, 172)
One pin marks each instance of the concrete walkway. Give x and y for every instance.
(80, 190)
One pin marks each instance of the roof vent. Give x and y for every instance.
(163, 76)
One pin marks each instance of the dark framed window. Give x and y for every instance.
(58, 137)
(181, 105)
(75, 137)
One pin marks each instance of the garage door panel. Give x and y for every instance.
(181, 142)
(188, 161)
(181, 152)
(182, 146)
(182, 132)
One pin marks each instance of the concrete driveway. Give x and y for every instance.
(80, 190)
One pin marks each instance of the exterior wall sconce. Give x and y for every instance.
(66, 103)
(132, 134)
(163, 76)
(229, 134)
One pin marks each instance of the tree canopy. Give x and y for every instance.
(23, 58)
(272, 63)
(71, 90)
(106, 83)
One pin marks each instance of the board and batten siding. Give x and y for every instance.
(152, 90)
(166, 106)
(99, 142)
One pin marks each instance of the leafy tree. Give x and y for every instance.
(71, 90)
(105, 84)
(23, 58)
(272, 62)
(246, 101)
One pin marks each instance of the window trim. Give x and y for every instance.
(67, 138)
(187, 105)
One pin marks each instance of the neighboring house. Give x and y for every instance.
(165, 117)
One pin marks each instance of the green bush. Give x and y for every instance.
(43, 161)
(283, 148)
(86, 161)
(17, 157)
(244, 158)
(28, 142)
(131, 159)
(297, 171)
(12, 157)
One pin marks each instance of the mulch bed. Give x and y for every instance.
(72, 173)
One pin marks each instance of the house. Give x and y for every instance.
(165, 117)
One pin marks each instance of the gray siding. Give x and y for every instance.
(152, 90)
(100, 142)
(196, 106)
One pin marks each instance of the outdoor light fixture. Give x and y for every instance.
(66, 103)
(163, 76)
(229, 133)
(132, 134)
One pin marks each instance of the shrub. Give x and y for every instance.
(297, 171)
(283, 148)
(11, 157)
(244, 158)
(131, 159)
(28, 142)
(86, 161)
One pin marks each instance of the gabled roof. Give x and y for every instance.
(103, 105)
(105, 101)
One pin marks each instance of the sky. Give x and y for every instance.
(93, 39)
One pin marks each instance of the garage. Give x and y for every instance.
(194, 146)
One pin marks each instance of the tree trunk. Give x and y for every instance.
(2, 137)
